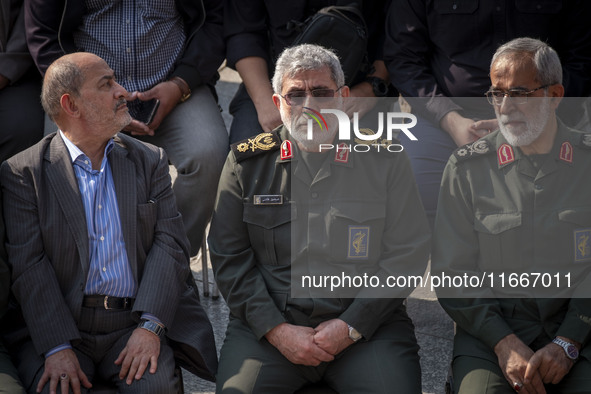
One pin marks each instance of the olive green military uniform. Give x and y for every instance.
(262, 194)
(9, 380)
(501, 212)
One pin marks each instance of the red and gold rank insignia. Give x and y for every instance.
(566, 152)
(342, 153)
(286, 151)
(505, 154)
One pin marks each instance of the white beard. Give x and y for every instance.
(298, 129)
(533, 128)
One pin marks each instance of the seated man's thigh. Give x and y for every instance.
(474, 375)
(164, 381)
(578, 380)
(248, 365)
(9, 380)
(388, 360)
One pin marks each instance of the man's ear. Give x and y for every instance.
(345, 91)
(556, 92)
(69, 106)
(277, 100)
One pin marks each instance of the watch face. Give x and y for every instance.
(572, 351)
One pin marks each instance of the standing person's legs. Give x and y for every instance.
(195, 139)
(428, 157)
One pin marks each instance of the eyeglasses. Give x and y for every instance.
(517, 96)
(297, 97)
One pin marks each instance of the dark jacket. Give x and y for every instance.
(50, 25)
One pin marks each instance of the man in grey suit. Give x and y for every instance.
(97, 248)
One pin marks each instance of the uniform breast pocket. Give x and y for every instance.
(269, 230)
(447, 16)
(355, 230)
(575, 233)
(499, 237)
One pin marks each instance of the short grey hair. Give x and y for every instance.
(306, 57)
(544, 58)
(62, 77)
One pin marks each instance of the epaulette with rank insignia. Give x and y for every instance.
(586, 141)
(473, 149)
(264, 142)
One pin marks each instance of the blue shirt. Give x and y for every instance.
(109, 272)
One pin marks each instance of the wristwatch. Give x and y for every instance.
(379, 86)
(571, 350)
(354, 335)
(183, 86)
(152, 326)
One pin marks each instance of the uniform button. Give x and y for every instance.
(538, 187)
(85, 161)
(129, 77)
(102, 238)
(128, 50)
(100, 206)
(539, 7)
(498, 9)
(104, 269)
(127, 21)
(455, 6)
(314, 195)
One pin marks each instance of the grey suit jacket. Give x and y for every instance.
(47, 245)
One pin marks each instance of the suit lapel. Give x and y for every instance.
(123, 171)
(61, 177)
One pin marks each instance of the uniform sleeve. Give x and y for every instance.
(407, 54)
(245, 30)
(233, 260)
(205, 49)
(455, 253)
(405, 250)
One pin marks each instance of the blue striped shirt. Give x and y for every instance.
(139, 39)
(110, 272)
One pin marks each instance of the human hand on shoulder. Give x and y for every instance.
(464, 130)
(63, 367)
(296, 343)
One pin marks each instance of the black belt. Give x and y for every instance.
(107, 302)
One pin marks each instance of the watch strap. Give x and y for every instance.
(570, 349)
(153, 327)
(183, 86)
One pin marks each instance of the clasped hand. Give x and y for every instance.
(310, 346)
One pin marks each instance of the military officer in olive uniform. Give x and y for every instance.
(284, 209)
(518, 200)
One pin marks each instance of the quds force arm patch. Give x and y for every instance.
(263, 142)
(474, 149)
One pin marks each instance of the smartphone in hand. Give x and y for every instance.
(147, 110)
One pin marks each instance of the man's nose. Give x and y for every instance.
(507, 105)
(120, 91)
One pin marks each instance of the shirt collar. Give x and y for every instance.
(75, 152)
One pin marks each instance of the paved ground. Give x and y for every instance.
(434, 329)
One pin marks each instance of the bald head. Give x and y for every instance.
(65, 76)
